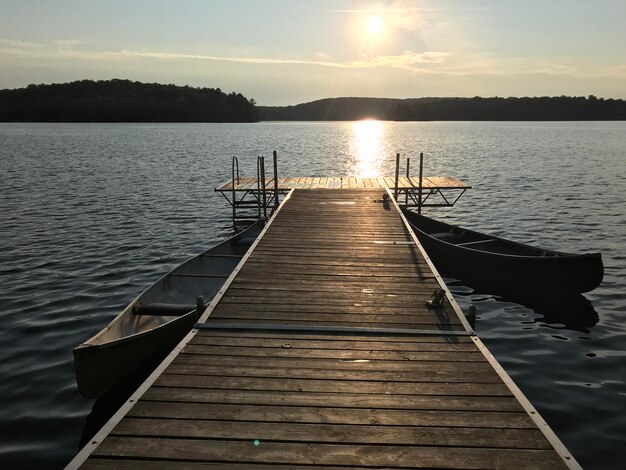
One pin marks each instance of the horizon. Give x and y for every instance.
(283, 53)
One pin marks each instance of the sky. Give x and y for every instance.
(283, 52)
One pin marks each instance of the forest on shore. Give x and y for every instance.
(123, 101)
(561, 108)
(128, 101)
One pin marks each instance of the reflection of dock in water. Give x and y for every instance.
(320, 351)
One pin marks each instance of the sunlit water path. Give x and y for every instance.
(92, 214)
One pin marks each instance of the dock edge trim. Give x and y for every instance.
(431, 265)
(84, 453)
(546, 430)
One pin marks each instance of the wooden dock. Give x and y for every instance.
(320, 352)
(344, 182)
(261, 194)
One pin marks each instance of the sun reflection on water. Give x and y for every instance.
(366, 148)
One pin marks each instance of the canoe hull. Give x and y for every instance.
(563, 271)
(99, 367)
(139, 337)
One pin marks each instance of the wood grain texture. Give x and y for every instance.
(329, 400)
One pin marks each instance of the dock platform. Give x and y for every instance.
(260, 194)
(320, 352)
(345, 182)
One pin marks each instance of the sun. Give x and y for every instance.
(374, 25)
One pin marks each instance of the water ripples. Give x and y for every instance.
(93, 214)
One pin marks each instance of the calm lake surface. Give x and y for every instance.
(91, 214)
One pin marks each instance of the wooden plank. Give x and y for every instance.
(337, 314)
(333, 299)
(362, 281)
(330, 262)
(327, 386)
(404, 367)
(387, 287)
(404, 182)
(342, 303)
(339, 354)
(215, 370)
(96, 463)
(312, 268)
(417, 341)
(302, 321)
(294, 342)
(334, 433)
(417, 273)
(325, 454)
(342, 400)
(319, 415)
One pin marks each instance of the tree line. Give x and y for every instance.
(123, 101)
(561, 108)
(128, 101)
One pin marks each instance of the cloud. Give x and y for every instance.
(65, 49)
(403, 14)
(406, 60)
(555, 69)
(248, 60)
(425, 62)
(322, 56)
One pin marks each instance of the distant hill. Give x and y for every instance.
(123, 101)
(562, 108)
(128, 101)
(332, 109)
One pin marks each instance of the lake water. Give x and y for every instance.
(91, 214)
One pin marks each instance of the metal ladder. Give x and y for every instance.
(259, 200)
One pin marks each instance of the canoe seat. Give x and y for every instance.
(173, 310)
(443, 235)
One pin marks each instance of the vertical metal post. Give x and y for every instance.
(258, 184)
(395, 192)
(275, 180)
(408, 177)
(264, 189)
(419, 190)
(235, 163)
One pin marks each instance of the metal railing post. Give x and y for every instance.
(264, 187)
(275, 180)
(258, 184)
(419, 190)
(235, 164)
(408, 177)
(395, 192)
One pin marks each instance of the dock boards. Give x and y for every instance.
(323, 354)
(345, 182)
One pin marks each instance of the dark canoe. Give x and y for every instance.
(474, 256)
(156, 321)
